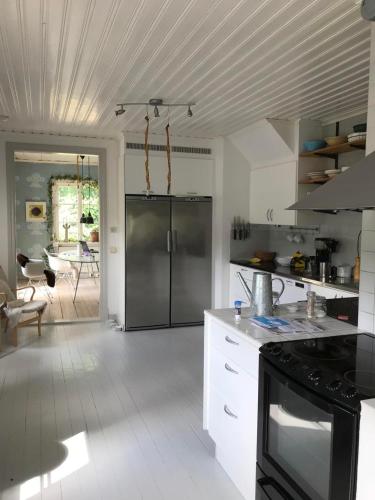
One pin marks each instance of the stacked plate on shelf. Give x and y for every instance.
(316, 175)
(357, 137)
(332, 172)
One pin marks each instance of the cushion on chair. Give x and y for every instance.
(50, 277)
(34, 306)
(27, 307)
(22, 259)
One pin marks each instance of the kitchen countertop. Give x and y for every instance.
(288, 272)
(257, 335)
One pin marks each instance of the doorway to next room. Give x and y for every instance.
(57, 216)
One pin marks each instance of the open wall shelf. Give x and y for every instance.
(333, 151)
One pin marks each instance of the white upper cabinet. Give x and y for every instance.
(190, 176)
(278, 174)
(135, 178)
(272, 190)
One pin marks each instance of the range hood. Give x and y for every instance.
(354, 189)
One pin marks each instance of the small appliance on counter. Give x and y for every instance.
(324, 247)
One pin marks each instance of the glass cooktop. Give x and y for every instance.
(341, 368)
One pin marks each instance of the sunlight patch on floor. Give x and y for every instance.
(77, 457)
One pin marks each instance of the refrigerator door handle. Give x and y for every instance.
(169, 240)
(174, 241)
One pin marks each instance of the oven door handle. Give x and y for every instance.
(270, 481)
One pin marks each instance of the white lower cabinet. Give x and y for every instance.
(236, 291)
(231, 403)
(294, 291)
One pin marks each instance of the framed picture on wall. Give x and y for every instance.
(36, 211)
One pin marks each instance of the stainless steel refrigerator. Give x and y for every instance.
(168, 260)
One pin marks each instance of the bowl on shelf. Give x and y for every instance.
(360, 127)
(313, 145)
(344, 168)
(335, 140)
(283, 261)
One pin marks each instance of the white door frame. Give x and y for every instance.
(11, 147)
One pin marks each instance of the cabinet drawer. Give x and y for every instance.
(233, 428)
(233, 347)
(229, 380)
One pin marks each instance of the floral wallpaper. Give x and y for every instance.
(31, 182)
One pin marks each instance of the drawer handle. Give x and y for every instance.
(230, 341)
(228, 412)
(230, 369)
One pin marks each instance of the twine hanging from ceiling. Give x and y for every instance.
(148, 185)
(169, 176)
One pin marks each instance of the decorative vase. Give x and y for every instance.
(94, 236)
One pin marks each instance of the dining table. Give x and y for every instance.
(92, 258)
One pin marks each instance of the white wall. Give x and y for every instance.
(114, 188)
(232, 192)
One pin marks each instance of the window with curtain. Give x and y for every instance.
(69, 201)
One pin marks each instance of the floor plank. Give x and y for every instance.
(62, 307)
(90, 413)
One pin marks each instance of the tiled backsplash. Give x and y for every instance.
(367, 283)
(343, 227)
(366, 318)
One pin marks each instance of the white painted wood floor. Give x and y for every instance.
(89, 413)
(62, 307)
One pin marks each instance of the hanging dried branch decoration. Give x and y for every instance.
(169, 176)
(148, 185)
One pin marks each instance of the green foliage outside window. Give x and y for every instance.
(70, 202)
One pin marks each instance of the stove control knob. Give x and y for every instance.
(276, 350)
(335, 385)
(315, 375)
(286, 358)
(268, 347)
(350, 393)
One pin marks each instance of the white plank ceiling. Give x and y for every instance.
(64, 64)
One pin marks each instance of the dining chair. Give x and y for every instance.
(34, 271)
(62, 268)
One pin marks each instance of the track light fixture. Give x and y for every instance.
(120, 111)
(156, 103)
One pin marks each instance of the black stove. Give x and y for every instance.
(340, 368)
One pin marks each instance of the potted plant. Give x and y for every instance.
(94, 234)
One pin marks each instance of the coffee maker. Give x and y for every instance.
(324, 247)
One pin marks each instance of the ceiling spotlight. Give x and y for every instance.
(155, 103)
(120, 111)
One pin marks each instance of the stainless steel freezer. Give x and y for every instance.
(191, 259)
(147, 265)
(168, 260)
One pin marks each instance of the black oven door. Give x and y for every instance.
(307, 446)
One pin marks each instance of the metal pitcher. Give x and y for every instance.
(261, 296)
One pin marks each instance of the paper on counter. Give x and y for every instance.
(282, 325)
